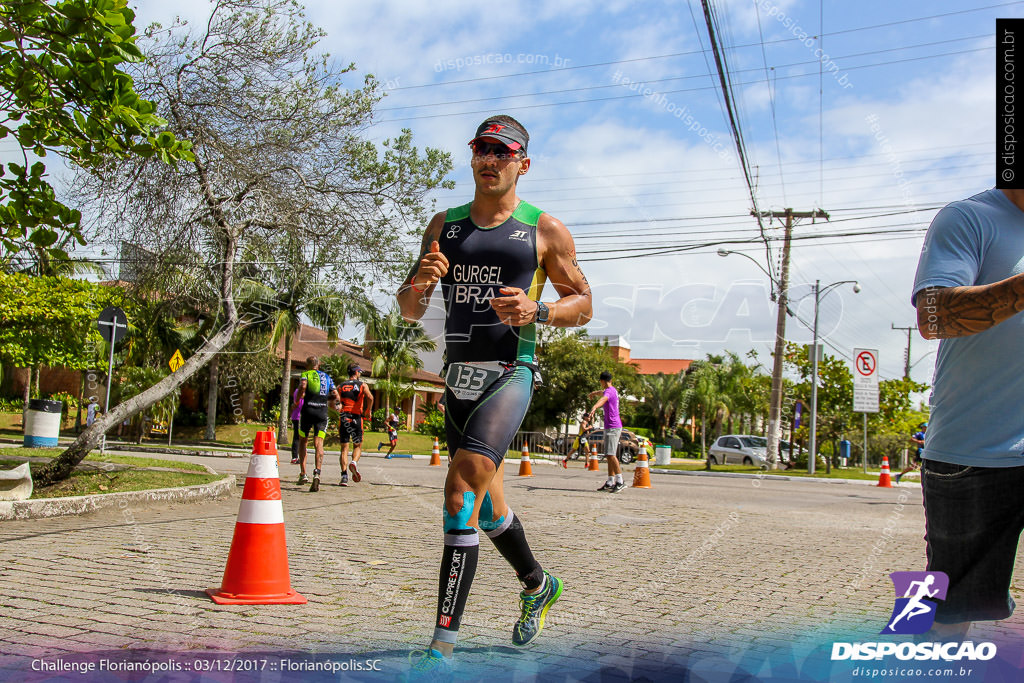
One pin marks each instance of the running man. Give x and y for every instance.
(355, 401)
(296, 415)
(612, 430)
(391, 424)
(492, 258)
(316, 388)
(918, 440)
(914, 606)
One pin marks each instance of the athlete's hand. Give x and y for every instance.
(433, 267)
(515, 309)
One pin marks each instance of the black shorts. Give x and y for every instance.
(313, 425)
(487, 425)
(350, 428)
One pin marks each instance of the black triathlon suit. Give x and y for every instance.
(313, 417)
(483, 261)
(350, 422)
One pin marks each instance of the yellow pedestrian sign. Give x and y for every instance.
(176, 361)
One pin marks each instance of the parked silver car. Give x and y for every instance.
(739, 449)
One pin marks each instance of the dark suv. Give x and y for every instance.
(629, 445)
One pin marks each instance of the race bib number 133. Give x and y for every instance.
(468, 381)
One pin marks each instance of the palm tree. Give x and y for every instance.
(279, 293)
(393, 346)
(663, 394)
(52, 261)
(703, 397)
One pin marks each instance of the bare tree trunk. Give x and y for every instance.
(703, 441)
(211, 399)
(81, 399)
(64, 464)
(26, 396)
(286, 385)
(39, 371)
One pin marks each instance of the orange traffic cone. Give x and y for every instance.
(435, 455)
(525, 469)
(642, 473)
(257, 567)
(883, 478)
(593, 463)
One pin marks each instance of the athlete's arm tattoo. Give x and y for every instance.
(574, 306)
(948, 312)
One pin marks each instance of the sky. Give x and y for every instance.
(877, 113)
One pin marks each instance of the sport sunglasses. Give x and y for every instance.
(482, 148)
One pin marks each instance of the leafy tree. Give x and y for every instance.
(50, 321)
(277, 149)
(393, 346)
(247, 367)
(570, 367)
(835, 399)
(62, 91)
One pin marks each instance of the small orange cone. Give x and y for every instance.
(642, 473)
(257, 567)
(593, 463)
(435, 455)
(525, 469)
(883, 478)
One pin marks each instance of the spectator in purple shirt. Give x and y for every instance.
(612, 430)
(297, 398)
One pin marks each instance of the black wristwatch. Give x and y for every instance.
(541, 316)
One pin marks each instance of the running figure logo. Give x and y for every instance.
(913, 612)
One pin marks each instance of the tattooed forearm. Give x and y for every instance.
(948, 312)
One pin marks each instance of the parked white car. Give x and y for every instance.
(739, 449)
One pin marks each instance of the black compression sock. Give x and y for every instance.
(458, 566)
(511, 542)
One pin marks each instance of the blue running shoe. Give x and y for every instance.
(534, 608)
(431, 667)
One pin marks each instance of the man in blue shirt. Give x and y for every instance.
(969, 291)
(918, 440)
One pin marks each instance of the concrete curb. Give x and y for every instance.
(772, 477)
(206, 453)
(78, 505)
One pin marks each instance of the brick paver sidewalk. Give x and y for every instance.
(693, 566)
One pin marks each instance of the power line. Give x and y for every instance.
(560, 91)
(672, 92)
(692, 52)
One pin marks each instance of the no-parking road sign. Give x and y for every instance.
(865, 380)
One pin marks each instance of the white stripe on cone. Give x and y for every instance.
(263, 467)
(641, 463)
(261, 512)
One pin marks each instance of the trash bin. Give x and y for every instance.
(844, 453)
(662, 455)
(42, 423)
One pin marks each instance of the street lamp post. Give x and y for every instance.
(775, 400)
(818, 293)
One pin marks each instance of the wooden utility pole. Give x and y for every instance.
(906, 364)
(782, 288)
